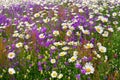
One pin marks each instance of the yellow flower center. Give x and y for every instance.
(10, 72)
(88, 69)
(11, 55)
(98, 30)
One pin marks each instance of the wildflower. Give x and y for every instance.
(110, 29)
(75, 53)
(19, 45)
(114, 14)
(99, 29)
(86, 32)
(89, 68)
(46, 20)
(54, 74)
(11, 55)
(26, 47)
(99, 44)
(62, 53)
(89, 46)
(78, 77)
(36, 15)
(118, 29)
(56, 33)
(65, 48)
(73, 58)
(53, 61)
(77, 65)
(69, 32)
(27, 36)
(60, 76)
(11, 71)
(102, 49)
(52, 47)
(15, 34)
(81, 10)
(105, 34)
(41, 36)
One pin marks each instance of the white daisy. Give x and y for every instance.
(62, 53)
(102, 49)
(65, 48)
(11, 55)
(11, 71)
(19, 45)
(105, 34)
(89, 68)
(56, 33)
(89, 46)
(41, 36)
(99, 29)
(54, 74)
(53, 61)
(72, 59)
(60, 76)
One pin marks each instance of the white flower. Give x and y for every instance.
(19, 44)
(103, 19)
(114, 14)
(65, 48)
(99, 44)
(54, 74)
(81, 10)
(53, 61)
(72, 59)
(69, 32)
(75, 53)
(89, 68)
(21, 36)
(110, 29)
(15, 34)
(78, 33)
(27, 36)
(57, 43)
(26, 47)
(56, 33)
(86, 32)
(98, 55)
(62, 53)
(89, 46)
(11, 55)
(81, 28)
(11, 71)
(52, 47)
(102, 49)
(41, 36)
(64, 26)
(118, 29)
(105, 34)
(60, 76)
(46, 20)
(36, 15)
(99, 29)
(71, 28)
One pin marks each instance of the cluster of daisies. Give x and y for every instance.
(57, 41)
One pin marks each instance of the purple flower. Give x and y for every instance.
(78, 76)
(39, 63)
(40, 68)
(83, 71)
(40, 57)
(43, 29)
(77, 65)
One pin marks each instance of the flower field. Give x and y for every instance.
(60, 40)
